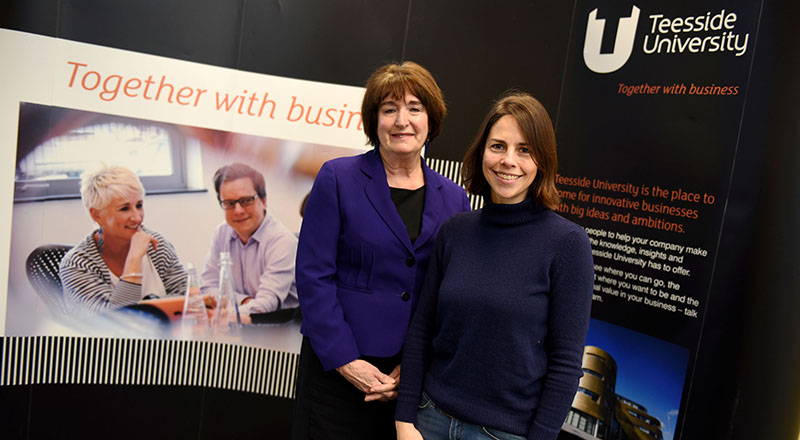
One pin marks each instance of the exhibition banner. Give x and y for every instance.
(648, 130)
(648, 99)
(68, 107)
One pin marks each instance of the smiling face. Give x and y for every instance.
(508, 165)
(244, 219)
(402, 125)
(122, 217)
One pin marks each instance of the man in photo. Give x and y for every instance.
(262, 249)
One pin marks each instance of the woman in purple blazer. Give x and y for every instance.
(366, 238)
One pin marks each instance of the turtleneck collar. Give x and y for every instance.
(511, 214)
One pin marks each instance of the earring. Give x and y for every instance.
(100, 240)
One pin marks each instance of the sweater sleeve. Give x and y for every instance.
(572, 275)
(418, 349)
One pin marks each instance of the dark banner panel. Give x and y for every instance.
(133, 411)
(647, 152)
(483, 50)
(767, 401)
(648, 131)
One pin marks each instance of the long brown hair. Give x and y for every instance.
(537, 129)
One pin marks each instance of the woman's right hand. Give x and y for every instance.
(407, 431)
(363, 375)
(140, 242)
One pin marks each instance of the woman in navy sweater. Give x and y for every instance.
(494, 349)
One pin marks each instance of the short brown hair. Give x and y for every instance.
(537, 128)
(237, 171)
(396, 80)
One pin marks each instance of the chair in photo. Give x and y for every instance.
(42, 268)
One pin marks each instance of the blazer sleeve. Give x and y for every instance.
(323, 319)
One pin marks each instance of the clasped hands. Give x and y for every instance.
(367, 378)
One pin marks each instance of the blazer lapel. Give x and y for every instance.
(377, 191)
(431, 213)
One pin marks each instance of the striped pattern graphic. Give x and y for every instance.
(75, 360)
(452, 170)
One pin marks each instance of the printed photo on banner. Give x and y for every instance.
(91, 188)
(631, 386)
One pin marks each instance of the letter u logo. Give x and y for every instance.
(623, 45)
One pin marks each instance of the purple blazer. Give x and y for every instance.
(358, 275)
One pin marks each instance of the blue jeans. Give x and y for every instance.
(435, 424)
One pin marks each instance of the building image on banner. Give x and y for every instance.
(630, 389)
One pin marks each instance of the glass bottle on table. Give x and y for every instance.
(225, 320)
(194, 319)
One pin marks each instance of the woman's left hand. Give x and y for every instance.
(387, 391)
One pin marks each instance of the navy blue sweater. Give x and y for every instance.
(497, 338)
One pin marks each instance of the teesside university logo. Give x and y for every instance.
(623, 45)
(705, 33)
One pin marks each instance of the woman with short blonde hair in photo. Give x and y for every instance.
(121, 262)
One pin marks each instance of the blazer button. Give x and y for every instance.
(405, 296)
(410, 261)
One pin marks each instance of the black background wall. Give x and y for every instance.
(743, 380)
